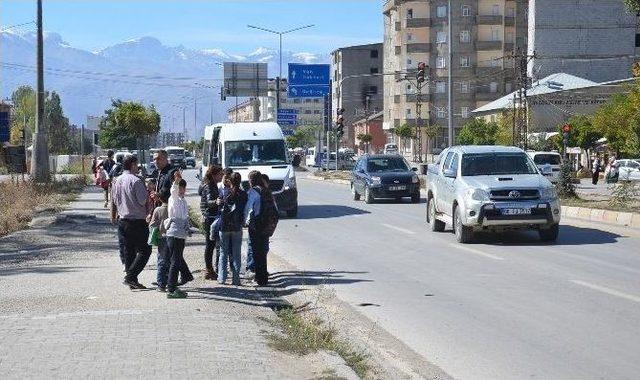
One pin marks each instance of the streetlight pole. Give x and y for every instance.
(40, 153)
(280, 34)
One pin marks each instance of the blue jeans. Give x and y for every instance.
(176, 251)
(251, 264)
(164, 260)
(230, 248)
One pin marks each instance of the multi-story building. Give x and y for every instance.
(485, 34)
(594, 39)
(247, 111)
(309, 110)
(360, 94)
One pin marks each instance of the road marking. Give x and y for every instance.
(399, 229)
(476, 251)
(609, 291)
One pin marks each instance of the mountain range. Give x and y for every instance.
(141, 69)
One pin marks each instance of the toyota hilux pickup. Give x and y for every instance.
(490, 188)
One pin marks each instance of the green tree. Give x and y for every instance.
(504, 133)
(366, 139)
(57, 126)
(618, 119)
(583, 133)
(478, 132)
(303, 136)
(126, 123)
(24, 100)
(633, 5)
(405, 132)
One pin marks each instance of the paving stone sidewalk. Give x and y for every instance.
(65, 314)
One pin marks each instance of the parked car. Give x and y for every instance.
(490, 188)
(189, 159)
(629, 169)
(390, 149)
(384, 176)
(549, 164)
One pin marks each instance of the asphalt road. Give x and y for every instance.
(507, 307)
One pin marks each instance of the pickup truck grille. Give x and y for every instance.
(514, 194)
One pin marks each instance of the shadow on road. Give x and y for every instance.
(327, 211)
(313, 278)
(569, 235)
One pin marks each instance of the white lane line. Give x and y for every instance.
(609, 291)
(399, 229)
(476, 251)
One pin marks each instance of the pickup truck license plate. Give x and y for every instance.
(516, 211)
(397, 188)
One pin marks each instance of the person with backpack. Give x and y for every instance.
(261, 217)
(233, 203)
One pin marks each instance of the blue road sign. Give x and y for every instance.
(287, 117)
(288, 122)
(287, 111)
(307, 81)
(5, 131)
(287, 132)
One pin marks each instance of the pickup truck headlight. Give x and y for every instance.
(478, 195)
(290, 182)
(376, 180)
(415, 179)
(548, 193)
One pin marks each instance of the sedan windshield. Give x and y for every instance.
(386, 164)
(258, 152)
(496, 164)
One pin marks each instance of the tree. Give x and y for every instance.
(126, 123)
(431, 131)
(583, 133)
(366, 139)
(618, 119)
(405, 132)
(57, 126)
(633, 5)
(478, 132)
(303, 136)
(24, 100)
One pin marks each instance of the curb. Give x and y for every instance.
(624, 219)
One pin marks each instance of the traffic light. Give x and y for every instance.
(340, 123)
(420, 74)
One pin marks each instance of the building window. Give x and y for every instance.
(409, 13)
(465, 36)
(373, 70)
(441, 87)
(464, 87)
(441, 11)
(297, 100)
(409, 37)
(495, 61)
(495, 34)
(441, 37)
(637, 40)
(308, 100)
(493, 87)
(511, 12)
(441, 63)
(408, 112)
(441, 112)
(464, 112)
(408, 62)
(373, 90)
(308, 112)
(374, 54)
(466, 11)
(317, 112)
(464, 61)
(495, 10)
(316, 100)
(409, 88)
(508, 87)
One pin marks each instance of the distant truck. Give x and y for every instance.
(490, 188)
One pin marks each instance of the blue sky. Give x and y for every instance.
(200, 24)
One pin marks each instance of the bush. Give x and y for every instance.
(566, 188)
(624, 194)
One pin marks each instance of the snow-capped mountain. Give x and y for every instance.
(141, 69)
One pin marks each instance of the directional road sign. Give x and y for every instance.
(287, 111)
(288, 122)
(309, 80)
(287, 132)
(287, 117)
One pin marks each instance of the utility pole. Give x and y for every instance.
(40, 153)
(450, 77)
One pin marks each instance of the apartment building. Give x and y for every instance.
(598, 40)
(485, 34)
(356, 84)
(247, 111)
(309, 110)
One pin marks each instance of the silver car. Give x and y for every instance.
(629, 170)
(490, 188)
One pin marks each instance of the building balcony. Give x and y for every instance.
(488, 45)
(488, 20)
(509, 21)
(418, 48)
(418, 22)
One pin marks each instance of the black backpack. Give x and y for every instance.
(267, 221)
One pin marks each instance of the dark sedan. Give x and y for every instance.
(384, 176)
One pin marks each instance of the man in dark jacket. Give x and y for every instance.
(209, 208)
(163, 173)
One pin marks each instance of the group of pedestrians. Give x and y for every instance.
(156, 213)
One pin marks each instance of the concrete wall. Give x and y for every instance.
(592, 39)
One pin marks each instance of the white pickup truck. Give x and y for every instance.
(490, 188)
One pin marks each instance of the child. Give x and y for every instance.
(151, 197)
(177, 225)
(160, 214)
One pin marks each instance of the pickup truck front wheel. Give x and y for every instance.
(368, 197)
(354, 192)
(549, 234)
(435, 224)
(463, 233)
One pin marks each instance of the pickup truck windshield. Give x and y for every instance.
(496, 164)
(543, 159)
(176, 152)
(257, 152)
(386, 164)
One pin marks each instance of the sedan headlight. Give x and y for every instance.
(415, 179)
(548, 193)
(478, 195)
(376, 180)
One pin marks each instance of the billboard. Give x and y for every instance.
(309, 81)
(245, 79)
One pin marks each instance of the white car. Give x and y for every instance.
(390, 148)
(629, 169)
(549, 164)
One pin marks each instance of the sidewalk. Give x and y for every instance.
(65, 314)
